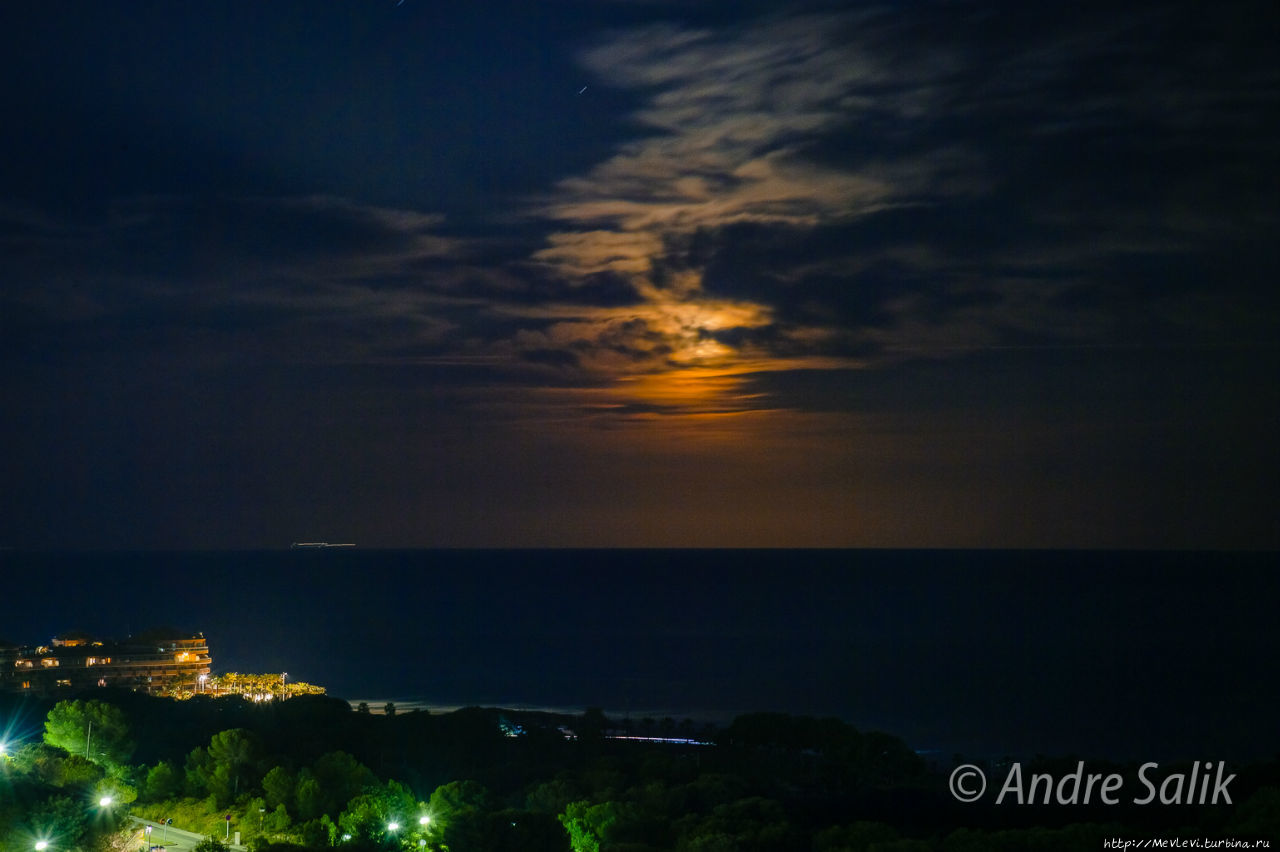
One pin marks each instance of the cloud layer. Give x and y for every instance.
(860, 262)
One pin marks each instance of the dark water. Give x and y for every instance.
(1138, 655)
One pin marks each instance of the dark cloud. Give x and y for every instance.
(551, 357)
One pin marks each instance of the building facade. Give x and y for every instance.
(159, 662)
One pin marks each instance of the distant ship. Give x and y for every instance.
(316, 545)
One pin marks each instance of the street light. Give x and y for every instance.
(41, 845)
(423, 821)
(104, 802)
(393, 826)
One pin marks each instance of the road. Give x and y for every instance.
(174, 839)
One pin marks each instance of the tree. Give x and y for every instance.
(120, 791)
(278, 787)
(92, 729)
(858, 837)
(197, 772)
(234, 751)
(593, 724)
(340, 778)
(552, 797)
(61, 817)
(747, 824)
(457, 796)
(366, 816)
(55, 767)
(278, 820)
(163, 782)
(309, 798)
(589, 826)
(320, 832)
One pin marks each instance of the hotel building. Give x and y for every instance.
(153, 662)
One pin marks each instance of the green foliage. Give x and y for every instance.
(320, 832)
(210, 844)
(713, 788)
(605, 780)
(233, 753)
(858, 837)
(584, 835)
(224, 769)
(1258, 815)
(552, 797)
(532, 832)
(278, 787)
(100, 729)
(775, 785)
(196, 815)
(592, 828)
(62, 817)
(1066, 839)
(120, 791)
(278, 820)
(196, 772)
(309, 798)
(55, 767)
(503, 831)
(162, 782)
(747, 825)
(456, 796)
(367, 815)
(453, 806)
(221, 785)
(340, 777)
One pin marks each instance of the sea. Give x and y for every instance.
(1125, 655)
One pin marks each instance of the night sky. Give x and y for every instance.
(639, 274)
